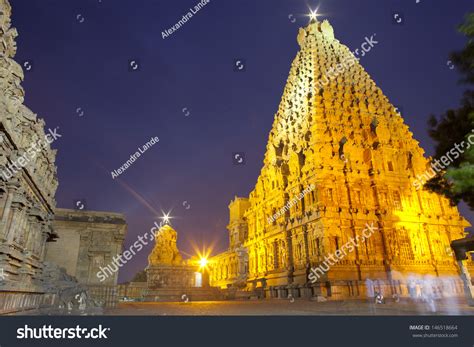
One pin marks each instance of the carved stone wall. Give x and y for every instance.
(132, 290)
(337, 131)
(88, 241)
(229, 269)
(28, 183)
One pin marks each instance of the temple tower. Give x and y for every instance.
(336, 132)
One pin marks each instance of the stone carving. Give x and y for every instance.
(168, 276)
(327, 30)
(88, 242)
(22, 125)
(72, 297)
(165, 251)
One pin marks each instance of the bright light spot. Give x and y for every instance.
(201, 257)
(166, 218)
(313, 15)
(203, 262)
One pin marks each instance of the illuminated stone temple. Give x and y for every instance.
(169, 277)
(166, 267)
(337, 133)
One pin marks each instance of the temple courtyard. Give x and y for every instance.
(295, 308)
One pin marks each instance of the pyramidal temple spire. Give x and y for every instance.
(335, 130)
(339, 158)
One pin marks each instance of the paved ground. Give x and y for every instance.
(285, 307)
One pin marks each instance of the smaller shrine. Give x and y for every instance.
(166, 267)
(169, 277)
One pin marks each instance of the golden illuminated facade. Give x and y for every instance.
(336, 130)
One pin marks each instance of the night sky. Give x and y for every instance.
(186, 92)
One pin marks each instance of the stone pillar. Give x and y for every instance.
(31, 234)
(10, 191)
(44, 237)
(289, 259)
(276, 256)
(13, 223)
(387, 256)
(21, 229)
(242, 261)
(36, 241)
(205, 278)
(306, 244)
(28, 231)
(430, 248)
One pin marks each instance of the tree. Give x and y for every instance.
(457, 127)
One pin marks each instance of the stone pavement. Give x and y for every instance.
(285, 307)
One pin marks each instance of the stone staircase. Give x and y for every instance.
(184, 294)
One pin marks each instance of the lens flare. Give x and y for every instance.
(203, 262)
